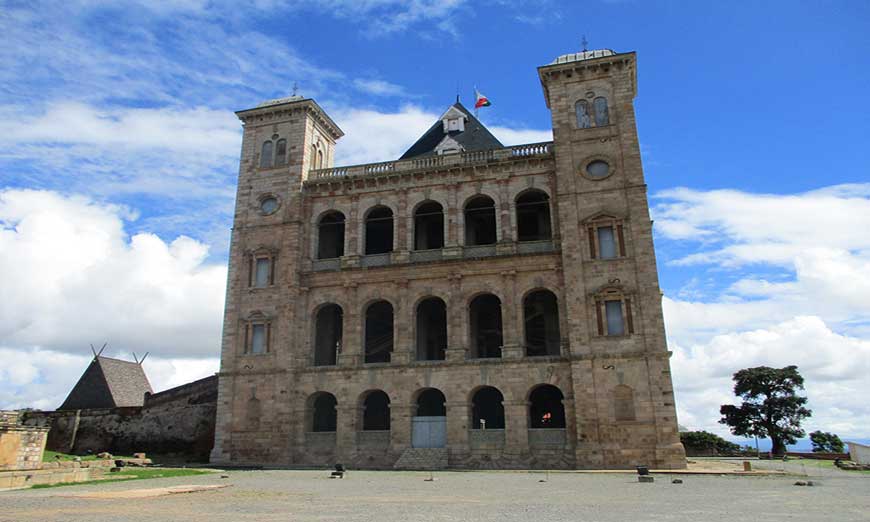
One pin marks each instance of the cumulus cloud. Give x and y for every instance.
(72, 276)
(379, 87)
(800, 294)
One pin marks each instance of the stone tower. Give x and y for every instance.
(469, 305)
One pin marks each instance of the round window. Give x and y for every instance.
(598, 169)
(268, 205)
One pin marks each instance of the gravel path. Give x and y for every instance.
(455, 496)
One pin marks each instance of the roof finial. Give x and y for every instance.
(584, 43)
(295, 88)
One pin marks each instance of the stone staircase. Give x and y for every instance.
(422, 459)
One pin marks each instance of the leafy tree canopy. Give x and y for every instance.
(824, 442)
(771, 407)
(704, 442)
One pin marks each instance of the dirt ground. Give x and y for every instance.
(457, 496)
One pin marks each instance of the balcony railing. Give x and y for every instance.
(447, 160)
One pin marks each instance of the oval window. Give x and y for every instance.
(268, 205)
(598, 169)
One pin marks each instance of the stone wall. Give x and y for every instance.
(178, 421)
(21, 447)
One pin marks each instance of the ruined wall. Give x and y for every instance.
(178, 421)
(21, 447)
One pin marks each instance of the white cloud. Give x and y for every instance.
(372, 136)
(379, 87)
(71, 277)
(509, 136)
(810, 307)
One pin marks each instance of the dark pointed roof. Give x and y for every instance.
(108, 383)
(474, 137)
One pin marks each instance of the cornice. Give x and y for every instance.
(307, 105)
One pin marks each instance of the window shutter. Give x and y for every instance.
(251, 261)
(591, 233)
(268, 337)
(628, 319)
(246, 349)
(598, 305)
(272, 270)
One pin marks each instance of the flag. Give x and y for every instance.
(480, 100)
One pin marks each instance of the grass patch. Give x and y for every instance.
(132, 474)
(52, 456)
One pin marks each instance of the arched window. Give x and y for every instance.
(379, 231)
(266, 155)
(320, 159)
(533, 216)
(541, 317)
(545, 408)
(623, 403)
(480, 221)
(602, 115)
(583, 119)
(324, 415)
(328, 331)
(431, 403)
(313, 160)
(429, 226)
(379, 332)
(486, 406)
(486, 326)
(376, 411)
(431, 329)
(281, 152)
(330, 236)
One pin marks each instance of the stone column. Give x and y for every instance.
(457, 344)
(457, 425)
(401, 326)
(346, 426)
(352, 248)
(400, 426)
(401, 252)
(452, 214)
(351, 354)
(512, 346)
(506, 234)
(516, 426)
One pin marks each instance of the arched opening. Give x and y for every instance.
(429, 226)
(431, 329)
(429, 423)
(379, 231)
(582, 110)
(623, 403)
(330, 236)
(324, 415)
(541, 318)
(487, 410)
(328, 330)
(480, 221)
(545, 408)
(486, 327)
(379, 332)
(431, 403)
(533, 216)
(319, 159)
(281, 152)
(376, 411)
(602, 114)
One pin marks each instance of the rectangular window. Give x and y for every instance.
(606, 242)
(263, 271)
(613, 311)
(258, 338)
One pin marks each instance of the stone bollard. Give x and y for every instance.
(747, 466)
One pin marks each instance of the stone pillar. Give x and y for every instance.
(516, 426)
(346, 426)
(457, 337)
(401, 326)
(351, 354)
(352, 249)
(457, 425)
(400, 425)
(506, 245)
(512, 346)
(401, 252)
(452, 222)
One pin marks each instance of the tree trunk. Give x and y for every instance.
(778, 449)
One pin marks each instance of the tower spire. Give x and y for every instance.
(584, 43)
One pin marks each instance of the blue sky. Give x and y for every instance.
(119, 151)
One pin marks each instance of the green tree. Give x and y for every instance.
(771, 407)
(705, 443)
(824, 442)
